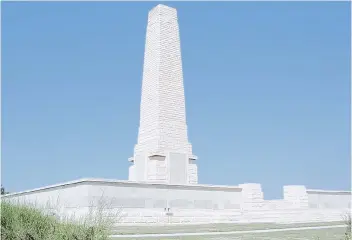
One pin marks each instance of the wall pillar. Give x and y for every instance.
(252, 196)
(296, 195)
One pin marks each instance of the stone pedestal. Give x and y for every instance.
(171, 168)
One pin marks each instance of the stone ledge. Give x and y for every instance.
(318, 191)
(124, 182)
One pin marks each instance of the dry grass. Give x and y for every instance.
(26, 222)
(348, 234)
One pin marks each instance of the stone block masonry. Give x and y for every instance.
(163, 179)
(163, 153)
(145, 203)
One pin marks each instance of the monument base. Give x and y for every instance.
(170, 168)
(146, 203)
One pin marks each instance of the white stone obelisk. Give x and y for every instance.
(163, 153)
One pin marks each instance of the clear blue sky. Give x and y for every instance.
(267, 91)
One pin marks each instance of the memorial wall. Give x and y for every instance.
(153, 203)
(160, 196)
(124, 194)
(329, 199)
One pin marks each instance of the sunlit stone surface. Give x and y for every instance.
(163, 179)
(163, 153)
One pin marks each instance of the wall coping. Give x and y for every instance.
(97, 181)
(319, 191)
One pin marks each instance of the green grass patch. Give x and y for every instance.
(23, 222)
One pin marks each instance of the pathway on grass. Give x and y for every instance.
(224, 233)
(214, 227)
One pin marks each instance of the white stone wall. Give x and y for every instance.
(61, 199)
(132, 173)
(159, 196)
(192, 172)
(157, 169)
(296, 195)
(320, 199)
(142, 203)
(61, 195)
(252, 196)
(131, 196)
(277, 204)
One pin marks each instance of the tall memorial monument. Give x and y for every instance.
(163, 178)
(163, 153)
